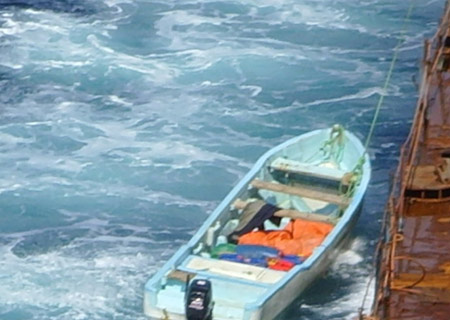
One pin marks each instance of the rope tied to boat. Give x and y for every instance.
(387, 81)
(333, 148)
(348, 189)
(400, 42)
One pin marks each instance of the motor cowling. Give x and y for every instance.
(199, 302)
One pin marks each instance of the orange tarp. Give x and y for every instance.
(299, 237)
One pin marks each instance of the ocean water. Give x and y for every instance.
(123, 123)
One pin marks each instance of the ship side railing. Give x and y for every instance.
(392, 222)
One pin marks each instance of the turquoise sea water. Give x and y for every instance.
(123, 123)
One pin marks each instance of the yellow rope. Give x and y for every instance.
(375, 118)
(389, 74)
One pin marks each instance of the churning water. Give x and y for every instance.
(123, 123)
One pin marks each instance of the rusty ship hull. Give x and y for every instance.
(413, 280)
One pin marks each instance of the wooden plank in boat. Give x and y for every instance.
(180, 275)
(300, 192)
(293, 214)
(306, 169)
(235, 269)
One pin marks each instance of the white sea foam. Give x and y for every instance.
(365, 93)
(353, 274)
(88, 288)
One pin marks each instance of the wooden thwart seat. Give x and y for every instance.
(234, 269)
(301, 192)
(293, 214)
(309, 170)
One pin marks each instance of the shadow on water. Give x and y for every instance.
(67, 6)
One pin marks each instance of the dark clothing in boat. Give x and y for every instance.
(253, 216)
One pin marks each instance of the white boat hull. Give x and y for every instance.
(247, 296)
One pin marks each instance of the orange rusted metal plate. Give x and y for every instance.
(416, 307)
(431, 177)
(426, 243)
(426, 207)
(422, 280)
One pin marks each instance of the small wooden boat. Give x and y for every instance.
(314, 182)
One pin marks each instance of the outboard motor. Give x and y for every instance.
(199, 303)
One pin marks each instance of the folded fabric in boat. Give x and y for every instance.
(222, 248)
(262, 256)
(253, 217)
(299, 237)
(257, 251)
(280, 264)
(234, 257)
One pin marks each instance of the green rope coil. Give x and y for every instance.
(333, 148)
